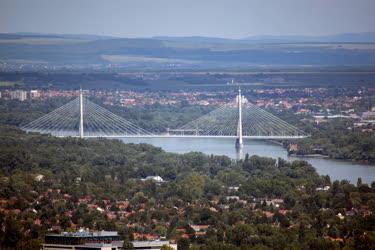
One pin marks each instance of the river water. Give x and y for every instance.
(337, 170)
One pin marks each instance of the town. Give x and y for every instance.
(318, 104)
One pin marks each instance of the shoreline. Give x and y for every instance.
(321, 156)
(313, 156)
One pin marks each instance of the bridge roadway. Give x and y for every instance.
(254, 137)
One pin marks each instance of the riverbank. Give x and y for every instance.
(336, 169)
(312, 156)
(321, 156)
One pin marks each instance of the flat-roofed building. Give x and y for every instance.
(82, 240)
(20, 95)
(153, 244)
(34, 94)
(369, 115)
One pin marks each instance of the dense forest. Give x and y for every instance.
(338, 139)
(63, 184)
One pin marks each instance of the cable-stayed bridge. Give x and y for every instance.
(83, 118)
(238, 119)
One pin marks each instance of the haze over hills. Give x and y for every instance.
(363, 37)
(366, 37)
(187, 52)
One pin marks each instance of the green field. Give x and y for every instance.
(7, 84)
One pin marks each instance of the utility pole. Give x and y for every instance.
(239, 141)
(81, 135)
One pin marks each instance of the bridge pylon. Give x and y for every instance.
(83, 118)
(239, 140)
(81, 132)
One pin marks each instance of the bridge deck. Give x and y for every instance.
(260, 137)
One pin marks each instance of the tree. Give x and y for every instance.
(282, 219)
(355, 199)
(241, 234)
(183, 244)
(322, 243)
(359, 181)
(33, 244)
(192, 186)
(213, 245)
(12, 233)
(165, 247)
(127, 245)
(160, 230)
(139, 197)
(301, 233)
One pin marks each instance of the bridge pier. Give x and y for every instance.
(239, 144)
(239, 154)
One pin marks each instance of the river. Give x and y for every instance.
(336, 169)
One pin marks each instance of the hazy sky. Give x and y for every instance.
(220, 18)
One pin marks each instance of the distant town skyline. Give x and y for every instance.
(227, 19)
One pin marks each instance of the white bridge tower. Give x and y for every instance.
(81, 135)
(239, 140)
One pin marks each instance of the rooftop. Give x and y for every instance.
(83, 233)
(153, 243)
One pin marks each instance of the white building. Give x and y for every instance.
(34, 94)
(155, 244)
(156, 179)
(20, 95)
(368, 116)
(100, 240)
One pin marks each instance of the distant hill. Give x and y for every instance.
(368, 37)
(25, 35)
(74, 36)
(186, 52)
(364, 37)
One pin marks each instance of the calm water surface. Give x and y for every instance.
(337, 170)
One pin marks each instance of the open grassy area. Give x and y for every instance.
(7, 84)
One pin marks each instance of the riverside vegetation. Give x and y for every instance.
(62, 184)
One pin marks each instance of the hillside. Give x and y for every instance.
(186, 52)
